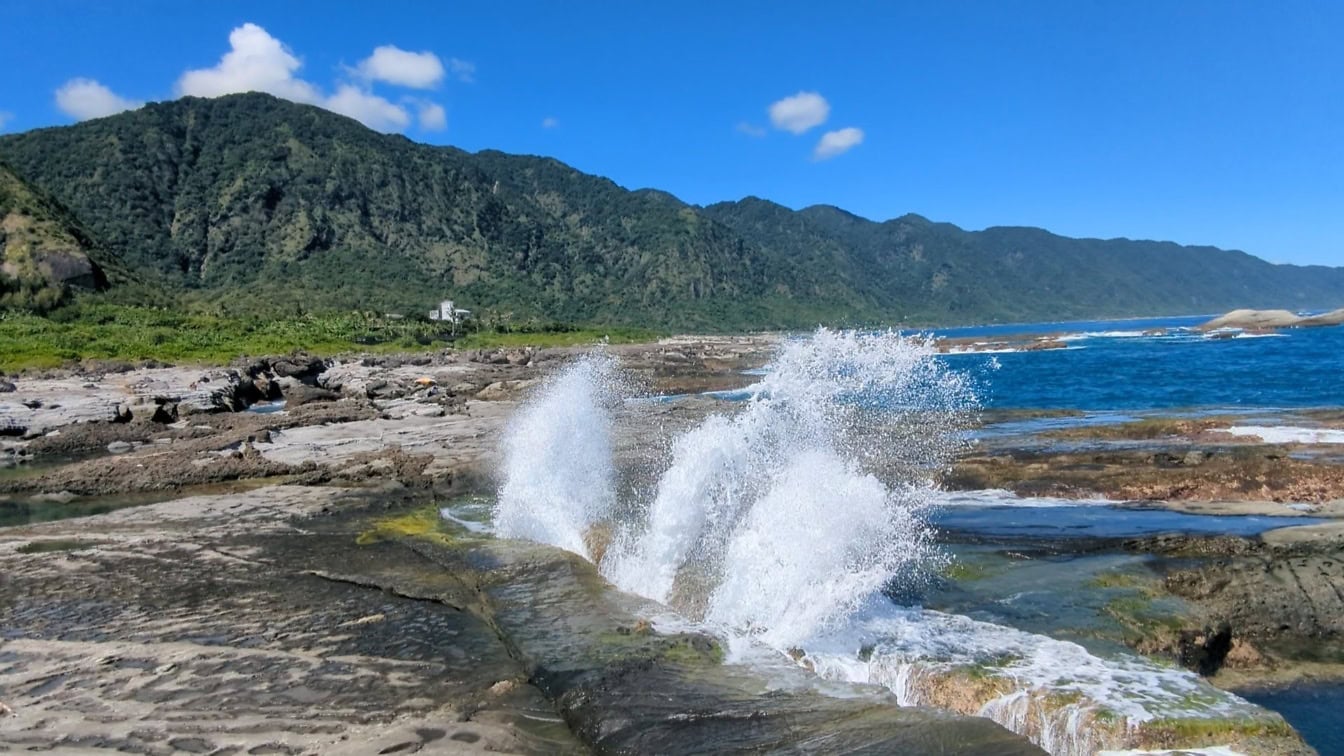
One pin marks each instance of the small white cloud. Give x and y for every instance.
(258, 62)
(368, 108)
(83, 99)
(751, 130)
(5, 118)
(391, 64)
(255, 62)
(433, 117)
(800, 112)
(549, 122)
(463, 70)
(837, 142)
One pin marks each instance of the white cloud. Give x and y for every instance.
(549, 122)
(368, 108)
(391, 64)
(433, 117)
(255, 62)
(837, 142)
(751, 130)
(5, 118)
(258, 62)
(800, 112)
(83, 99)
(463, 70)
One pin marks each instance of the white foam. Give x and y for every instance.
(1105, 335)
(910, 647)
(997, 497)
(1287, 434)
(558, 474)
(1208, 751)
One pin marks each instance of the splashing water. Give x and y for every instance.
(558, 476)
(773, 521)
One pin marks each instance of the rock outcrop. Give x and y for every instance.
(1271, 319)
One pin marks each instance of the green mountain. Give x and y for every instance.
(923, 271)
(43, 250)
(249, 204)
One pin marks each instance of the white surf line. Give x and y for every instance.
(1287, 434)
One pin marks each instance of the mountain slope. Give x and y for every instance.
(43, 250)
(254, 196)
(255, 204)
(938, 272)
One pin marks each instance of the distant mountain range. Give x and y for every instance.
(249, 203)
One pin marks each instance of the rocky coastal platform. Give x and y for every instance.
(285, 586)
(310, 619)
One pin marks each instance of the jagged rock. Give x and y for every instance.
(303, 368)
(299, 394)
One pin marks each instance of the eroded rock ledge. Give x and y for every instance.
(309, 620)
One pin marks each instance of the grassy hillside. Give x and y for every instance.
(247, 205)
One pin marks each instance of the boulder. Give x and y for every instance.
(298, 394)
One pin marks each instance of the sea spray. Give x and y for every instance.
(558, 473)
(776, 520)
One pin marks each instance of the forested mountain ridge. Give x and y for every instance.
(254, 204)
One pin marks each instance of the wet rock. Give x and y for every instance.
(1204, 651)
(7, 387)
(299, 394)
(120, 447)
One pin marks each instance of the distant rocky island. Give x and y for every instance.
(1271, 319)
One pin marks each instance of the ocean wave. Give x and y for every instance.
(997, 497)
(1287, 434)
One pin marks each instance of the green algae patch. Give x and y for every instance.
(693, 650)
(1144, 619)
(56, 545)
(682, 649)
(1269, 734)
(420, 523)
(965, 572)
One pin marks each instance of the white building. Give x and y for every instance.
(449, 313)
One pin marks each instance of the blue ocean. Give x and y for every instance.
(1156, 363)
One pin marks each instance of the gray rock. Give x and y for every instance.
(300, 394)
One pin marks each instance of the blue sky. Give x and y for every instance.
(1200, 122)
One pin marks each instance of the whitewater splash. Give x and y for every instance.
(558, 461)
(775, 521)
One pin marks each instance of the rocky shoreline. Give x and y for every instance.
(244, 581)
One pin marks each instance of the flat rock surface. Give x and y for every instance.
(258, 623)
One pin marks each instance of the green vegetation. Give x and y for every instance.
(43, 251)
(250, 208)
(424, 522)
(119, 332)
(54, 545)
(114, 332)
